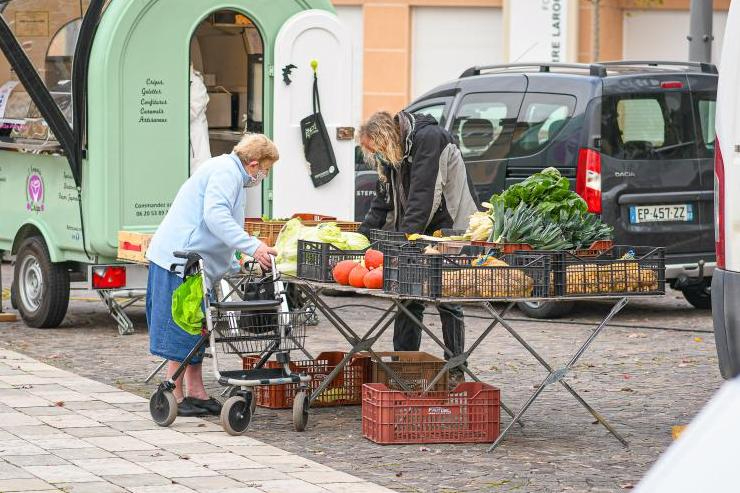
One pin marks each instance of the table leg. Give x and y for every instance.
(560, 374)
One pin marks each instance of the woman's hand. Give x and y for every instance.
(262, 255)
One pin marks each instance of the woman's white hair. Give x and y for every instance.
(256, 147)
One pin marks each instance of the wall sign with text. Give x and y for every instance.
(541, 30)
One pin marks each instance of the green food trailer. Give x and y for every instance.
(95, 103)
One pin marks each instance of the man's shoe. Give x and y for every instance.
(188, 408)
(456, 376)
(210, 405)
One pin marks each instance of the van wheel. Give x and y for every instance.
(700, 296)
(42, 287)
(549, 309)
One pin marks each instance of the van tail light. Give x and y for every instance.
(588, 179)
(671, 84)
(108, 277)
(719, 205)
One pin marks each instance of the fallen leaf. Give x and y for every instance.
(626, 389)
(626, 376)
(627, 486)
(423, 449)
(698, 339)
(185, 457)
(59, 403)
(201, 425)
(399, 474)
(636, 335)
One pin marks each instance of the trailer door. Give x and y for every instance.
(313, 35)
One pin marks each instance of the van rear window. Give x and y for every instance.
(654, 126)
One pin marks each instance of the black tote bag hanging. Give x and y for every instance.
(316, 143)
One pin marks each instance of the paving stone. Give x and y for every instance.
(69, 421)
(208, 484)
(50, 410)
(9, 471)
(40, 430)
(222, 439)
(109, 415)
(117, 397)
(134, 480)
(287, 463)
(82, 453)
(161, 436)
(88, 405)
(135, 406)
(363, 487)
(138, 456)
(173, 488)
(251, 475)
(19, 447)
(62, 474)
(24, 379)
(5, 435)
(254, 450)
(290, 486)
(90, 487)
(11, 420)
(119, 444)
(141, 424)
(8, 485)
(109, 467)
(319, 477)
(61, 395)
(86, 386)
(35, 460)
(96, 431)
(177, 468)
(200, 426)
(190, 447)
(61, 443)
(224, 460)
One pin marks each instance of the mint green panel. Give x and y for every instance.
(39, 190)
(138, 147)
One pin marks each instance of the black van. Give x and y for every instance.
(636, 138)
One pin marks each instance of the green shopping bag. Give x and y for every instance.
(187, 305)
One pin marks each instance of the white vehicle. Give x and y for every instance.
(726, 281)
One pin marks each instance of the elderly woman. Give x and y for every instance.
(207, 217)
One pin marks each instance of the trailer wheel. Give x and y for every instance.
(42, 287)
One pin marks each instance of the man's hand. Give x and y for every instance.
(262, 255)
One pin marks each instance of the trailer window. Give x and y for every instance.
(47, 32)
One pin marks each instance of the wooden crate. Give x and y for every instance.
(132, 246)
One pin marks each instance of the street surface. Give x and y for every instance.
(653, 369)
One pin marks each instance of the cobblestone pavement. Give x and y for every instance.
(654, 370)
(61, 432)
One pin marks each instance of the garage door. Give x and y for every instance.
(661, 35)
(446, 41)
(351, 17)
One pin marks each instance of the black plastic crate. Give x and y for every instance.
(316, 260)
(621, 270)
(516, 275)
(390, 262)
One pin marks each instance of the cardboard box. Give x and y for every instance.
(219, 110)
(132, 246)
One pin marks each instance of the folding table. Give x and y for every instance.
(397, 306)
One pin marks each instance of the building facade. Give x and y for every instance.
(403, 48)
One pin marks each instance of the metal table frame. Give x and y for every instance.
(358, 343)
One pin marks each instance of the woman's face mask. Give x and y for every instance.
(257, 178)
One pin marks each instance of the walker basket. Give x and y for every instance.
(345, 390)
(258, 332)
(468, 414)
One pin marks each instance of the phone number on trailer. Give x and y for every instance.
(150, 213)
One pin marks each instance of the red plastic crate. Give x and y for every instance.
(468, 414)
(345, 390)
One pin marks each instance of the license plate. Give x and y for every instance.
(661, 213)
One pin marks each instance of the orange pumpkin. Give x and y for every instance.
(373, 259)
(356, 276)
(341, 271)
(374, 279)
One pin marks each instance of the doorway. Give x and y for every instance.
(226, 54)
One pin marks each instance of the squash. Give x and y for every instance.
(341, 271)
(374, 279)
(357, 275)
(373, 259)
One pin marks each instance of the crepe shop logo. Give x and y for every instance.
(35, 192)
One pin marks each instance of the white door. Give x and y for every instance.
(661, 34)
(309, 35)
(446, 41)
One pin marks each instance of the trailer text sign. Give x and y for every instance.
(540, 31)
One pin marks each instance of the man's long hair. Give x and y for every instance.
(383, 130)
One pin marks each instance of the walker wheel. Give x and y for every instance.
(163, 407)
(253, 405)
(235, 416)
(300, 411)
